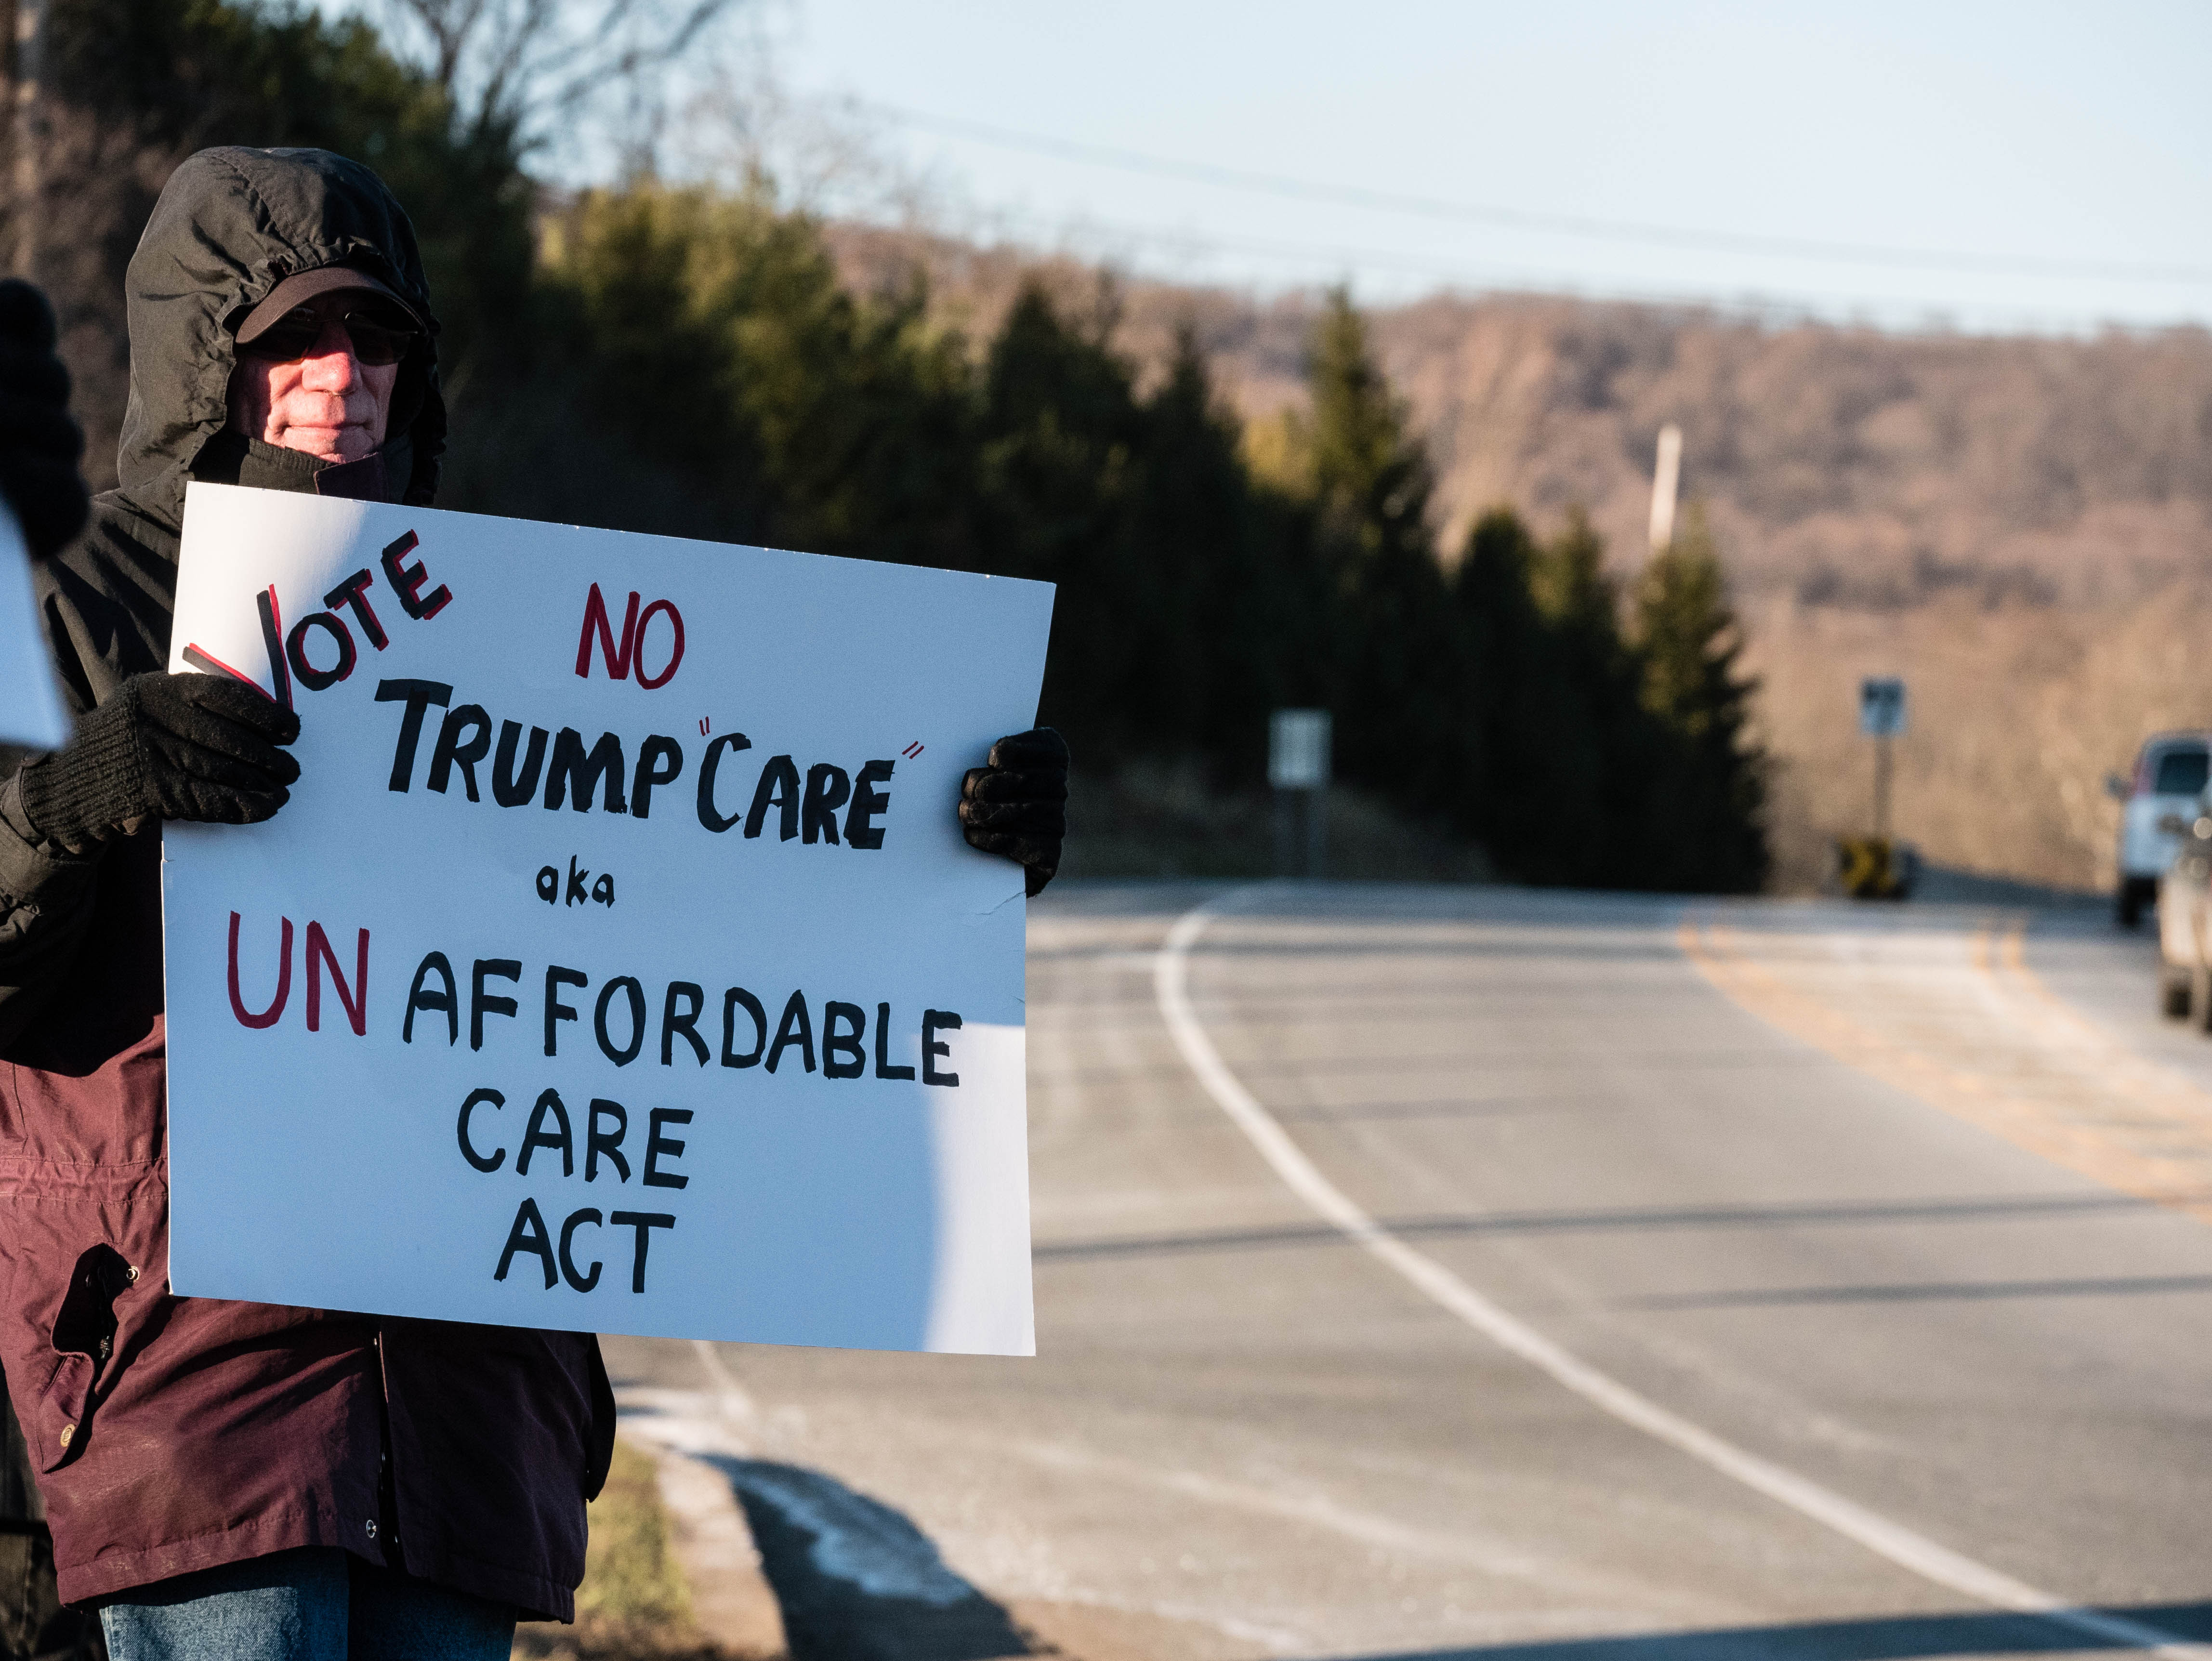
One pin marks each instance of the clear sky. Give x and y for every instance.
(2057, 155)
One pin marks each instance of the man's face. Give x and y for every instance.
(328, 403)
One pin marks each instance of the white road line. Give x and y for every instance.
(1909, 1550)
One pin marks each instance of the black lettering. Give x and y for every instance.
(581, 1282)
(884, 1068)
(483, 1003)
(556, 978)
(686, 1024)
(444, 1001)
(835, 1043)
(295, 651)
(549, 884)
(796, 1027)
(595, 1144)
(602, 891)
(280, 673)
(578, 774)
(778, 788)
(934, 1021)
(710, 816)
(538, 1136)
(627, 984)
(645, 1222)
(732, 999)
(533, 1239)
(860, 830)
(653, 751)
(452, 748)
(827, 787)
(353, 592)
(417, 696)
(508, 788)
(407, 582)
(656, 1145)
(468, 1148)
(576, 875)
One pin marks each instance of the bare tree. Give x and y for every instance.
(522, 69)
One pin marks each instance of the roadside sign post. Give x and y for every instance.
(1297, 768)
(1882, 717)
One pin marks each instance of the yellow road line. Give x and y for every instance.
(1979, 1036)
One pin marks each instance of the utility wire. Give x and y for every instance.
(1106, 237)
(1302, 190)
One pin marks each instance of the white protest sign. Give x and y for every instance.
(617, 964)
(31, 710)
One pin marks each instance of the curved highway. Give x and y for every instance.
(1481, 1273)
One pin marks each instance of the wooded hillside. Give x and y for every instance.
(2022, 527)
(1250, 504)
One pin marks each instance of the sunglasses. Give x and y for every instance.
(378, 334)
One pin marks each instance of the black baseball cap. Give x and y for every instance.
(301, 287)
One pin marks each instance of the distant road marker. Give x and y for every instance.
(1908, 1550)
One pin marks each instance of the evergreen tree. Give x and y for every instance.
(1508, 704)
(1706, 828)
(1571, 588)
(1549, 682)
(1598, 753)
(1403, 661)
(1206, 607)
(704, 373)
(1061, 435)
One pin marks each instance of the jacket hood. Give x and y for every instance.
(232, 223)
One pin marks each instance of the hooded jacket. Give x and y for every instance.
(171, 1434)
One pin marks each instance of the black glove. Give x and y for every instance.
(165, 746)
(39, 443)
(1017, 804)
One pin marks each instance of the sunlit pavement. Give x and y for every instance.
(1742, 1280)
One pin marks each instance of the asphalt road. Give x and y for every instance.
(1630, 1279)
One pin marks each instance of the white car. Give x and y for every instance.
(2170, 774)
(2184, 947)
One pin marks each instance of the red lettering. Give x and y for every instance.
(268, 1017)
(318, 954)
(616, 659)
(675, 653)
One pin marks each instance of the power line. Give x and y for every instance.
(1335, 260)
(1302, 190)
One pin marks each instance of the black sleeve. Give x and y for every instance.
(106, 604)
(45, 906)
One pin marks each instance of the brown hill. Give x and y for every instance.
(2020, 527)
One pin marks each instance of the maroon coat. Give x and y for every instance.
(170, 1433)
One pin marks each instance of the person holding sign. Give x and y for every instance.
(232, 1478)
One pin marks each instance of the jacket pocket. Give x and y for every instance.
(84, 1340)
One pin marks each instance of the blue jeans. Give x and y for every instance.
(316, 1603)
